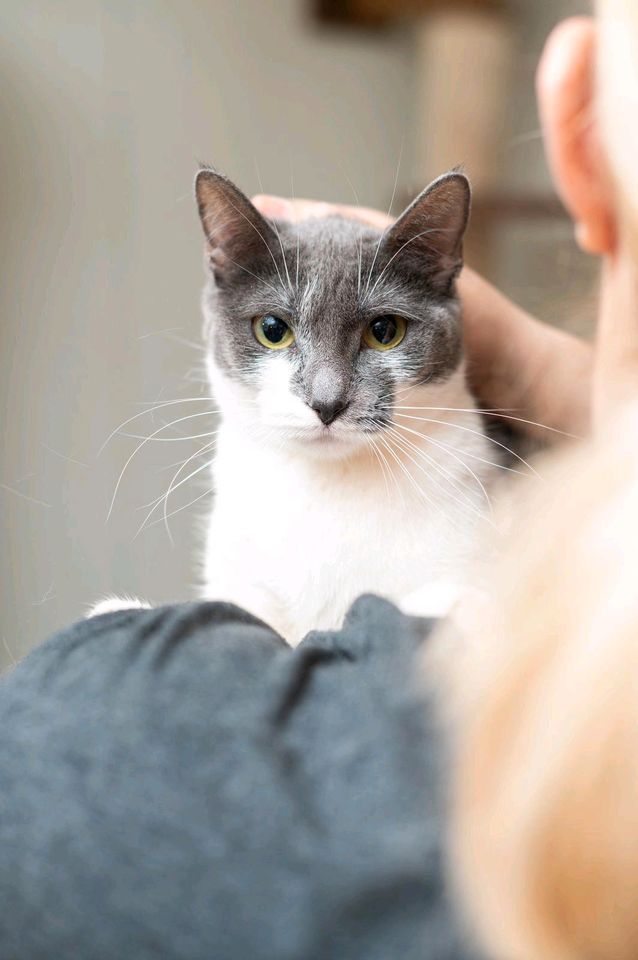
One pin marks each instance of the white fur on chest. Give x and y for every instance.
(295, 540)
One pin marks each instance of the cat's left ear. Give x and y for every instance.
(429, 233)
(238, 238)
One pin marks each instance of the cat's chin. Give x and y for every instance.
(328, 443)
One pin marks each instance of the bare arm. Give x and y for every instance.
(522, 366)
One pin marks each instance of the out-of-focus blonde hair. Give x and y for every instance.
(545, 820)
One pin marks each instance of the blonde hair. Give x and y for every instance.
(546, 818)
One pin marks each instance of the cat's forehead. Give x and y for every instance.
(325, 240)
(329, 259)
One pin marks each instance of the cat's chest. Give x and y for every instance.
(315, 536)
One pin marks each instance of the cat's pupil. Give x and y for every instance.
(274, 328)
(384, 329)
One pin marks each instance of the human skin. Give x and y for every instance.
(576, 146)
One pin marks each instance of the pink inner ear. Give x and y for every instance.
(235, 230)
(217, 257)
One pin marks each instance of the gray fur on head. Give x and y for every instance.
(328, 279)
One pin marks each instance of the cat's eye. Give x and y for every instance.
(273, 332)
(386, 332)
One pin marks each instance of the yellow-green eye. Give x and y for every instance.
(386, 332)
(273, 332)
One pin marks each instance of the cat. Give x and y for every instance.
(350, 456)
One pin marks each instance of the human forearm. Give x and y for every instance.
(525, 368)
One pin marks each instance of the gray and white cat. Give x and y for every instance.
(351, 457)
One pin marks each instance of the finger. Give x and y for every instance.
(367, 215)
(276, 207)
(280, 208)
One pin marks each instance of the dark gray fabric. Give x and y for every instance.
(177, 783)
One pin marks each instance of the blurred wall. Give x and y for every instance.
(538, 263)
(106, 106)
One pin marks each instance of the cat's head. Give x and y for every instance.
(315, 329)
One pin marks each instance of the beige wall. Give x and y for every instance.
(538, 263)
(105, 108)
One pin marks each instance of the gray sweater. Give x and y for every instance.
(178, 783)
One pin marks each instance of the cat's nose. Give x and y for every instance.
(329, 410)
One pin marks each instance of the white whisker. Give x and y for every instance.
(171, 488)
(451, 480)
(501, 414)
(292, 194)
(191, 416)
(387, 443)
(154, 409)
(191, 436)
(477, 433)
(276, 229)
(384, 233)
(360, 253)
(24, 496)
(173, 513)
(455, 457)
(64, 456)
(382, 463)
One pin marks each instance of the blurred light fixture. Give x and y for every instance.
(382, 12)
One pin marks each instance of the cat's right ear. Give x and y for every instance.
(237, 236)
(430, 232)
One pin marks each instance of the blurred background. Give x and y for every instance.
(106, 108)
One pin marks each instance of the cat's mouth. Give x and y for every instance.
(335, 436)
(323, 434)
